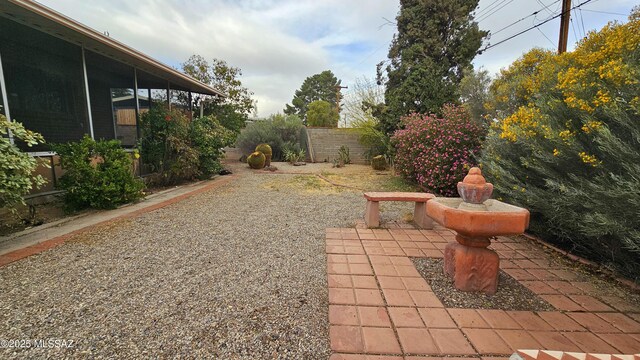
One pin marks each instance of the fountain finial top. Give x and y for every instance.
(474, 177)
(474, 189)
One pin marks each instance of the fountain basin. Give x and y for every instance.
(492, 218)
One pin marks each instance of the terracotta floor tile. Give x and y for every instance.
(467, 318)
(560, 321)
(401, 237)
(565, 287)
(341, 296)
(394, 251)
(539, 287)
(379, 259)
(339, 281)
(619, 304)
(442, 245)
(343, 315)
(416, 284)
(621, 321)
(346, 339)
(498, 319)
(391, 282)
(526, 264)
(529, 320)
(451, 342)
(562, 302)
(553, 340)
(425, 299)
(625, 343)
(366, 236)
(407, 271)
(436, 318)
(433, 253)
(357, 259)
(364, 282)
(564, 274)
(397, 297)
(373, 316)
(542, 274)
(353, 250)
(368, 297)
(380, 341)
(520, 274)
(360, 269)
(385, 270)
(408, 245)
(384, 236)
(588, 342)
(405, 317)
(336, 258)
(414, 253)
(389, 244)
(403, 261)
(416, 341)
(590, 303)
(426, 246)
(592, 322)
(518, 339)
(487, 341)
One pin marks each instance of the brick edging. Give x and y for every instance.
(58, 240)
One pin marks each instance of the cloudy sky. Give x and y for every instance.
(278, 43)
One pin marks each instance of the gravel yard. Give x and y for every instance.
(235, 272)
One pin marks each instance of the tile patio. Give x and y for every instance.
(381, 308)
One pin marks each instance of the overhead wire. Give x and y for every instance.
(489, 46)
(488, 8)
(484, 17)
(535, 13)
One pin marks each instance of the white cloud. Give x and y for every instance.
(278, 43)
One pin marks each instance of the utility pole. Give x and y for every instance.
(338, 95)
(564, 26)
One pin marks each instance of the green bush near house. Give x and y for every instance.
(322, 113)
(16, 166)
(98, 174)
(209, 137)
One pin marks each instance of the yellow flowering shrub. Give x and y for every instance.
(567, 129)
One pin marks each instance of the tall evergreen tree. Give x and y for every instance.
(322, 86)
(436, 40)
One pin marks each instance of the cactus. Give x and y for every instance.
(266, 150)
(256, 160)
(379, 163)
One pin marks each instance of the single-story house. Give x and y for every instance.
(64, 80)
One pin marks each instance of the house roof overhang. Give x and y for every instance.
(42, 18)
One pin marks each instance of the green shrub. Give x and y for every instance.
(437, 152)
(343, 155)
(322, 113)
(292, 156)
(97, 174)
(209, 137)
(266, 150)
(379, 163)
(17, 167)
(566, 145)
(372, 138)
(278, 131)
(256, 160)
(166, 146)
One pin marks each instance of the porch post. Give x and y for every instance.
(5, 100)
(135, 98)
(169, 94)
(86, 88)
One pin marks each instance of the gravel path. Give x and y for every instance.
(236, 272)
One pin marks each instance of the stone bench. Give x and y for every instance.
(372, 213)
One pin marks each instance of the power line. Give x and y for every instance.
(524, 18)
(485, 17)
(604, 12)
(529, 29)
(575, 34)
(487, 8)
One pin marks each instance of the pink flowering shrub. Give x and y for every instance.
(437, 153)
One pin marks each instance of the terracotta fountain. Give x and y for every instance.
(476, 219)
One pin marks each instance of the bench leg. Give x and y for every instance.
(420, 217)
(372, 214)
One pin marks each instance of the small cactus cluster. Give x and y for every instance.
(379, 163)
(261, 157)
